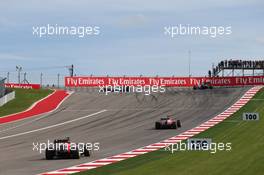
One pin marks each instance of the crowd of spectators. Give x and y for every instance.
(237, 64)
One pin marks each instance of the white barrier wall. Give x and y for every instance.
(7, 98)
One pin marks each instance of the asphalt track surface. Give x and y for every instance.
(119, 122)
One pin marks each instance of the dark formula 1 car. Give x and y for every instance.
(204, 85)
(167, 123)
(63, 148)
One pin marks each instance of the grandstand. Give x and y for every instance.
(237, 67)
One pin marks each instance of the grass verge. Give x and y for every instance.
(24, 99)
(245, 158)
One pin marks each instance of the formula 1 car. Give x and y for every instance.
(204, 85)
(167, 123)
(63, 148)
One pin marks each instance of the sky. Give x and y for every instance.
(131, 40)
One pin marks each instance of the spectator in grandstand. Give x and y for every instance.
(237, 64)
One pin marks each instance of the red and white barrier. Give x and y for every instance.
(156, 146)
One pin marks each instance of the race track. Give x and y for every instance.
(119, 122)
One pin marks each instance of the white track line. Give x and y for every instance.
(53, 126)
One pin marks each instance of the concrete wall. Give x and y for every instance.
(7, 98)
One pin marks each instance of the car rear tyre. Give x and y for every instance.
(86, 153)
(178, 123)
(157, 125)
(49, 154)
(75, 154)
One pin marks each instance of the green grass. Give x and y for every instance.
(245, 158)
(24, 99)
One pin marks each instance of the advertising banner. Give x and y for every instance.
(23, 86)
(161, 81)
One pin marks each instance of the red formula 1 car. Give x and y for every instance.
(167, 123)
(63, 149)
